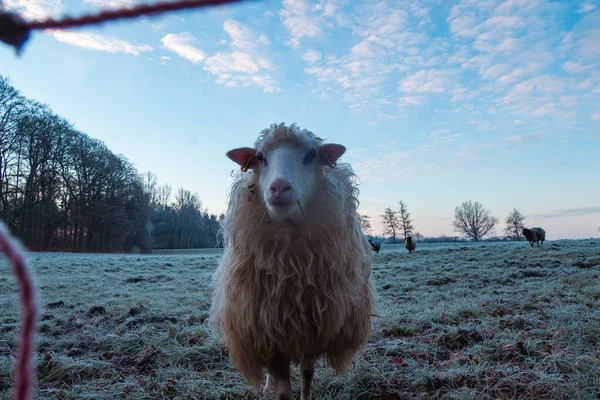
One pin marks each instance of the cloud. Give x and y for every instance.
(246, 64)
(522, 139)
(301, 19)
(182, 45)
(361, 74)
(518, 122)
(112, 3)
(596, 117)
(573, 67)
(569, 212)
(378, 169)
(501, 57)
(431, 80)
(237, 61)
(243, 38)
(35, 9)
(94, 41)
(586, 7)
(311, 56)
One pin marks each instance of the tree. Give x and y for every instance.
(472, 220)
(419, 236)
(404, 218)
(514, 224)
(365, 224)
(63, 190)
(391, 222)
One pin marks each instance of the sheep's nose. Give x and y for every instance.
(280, 186)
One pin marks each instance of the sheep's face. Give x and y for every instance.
(288, 173)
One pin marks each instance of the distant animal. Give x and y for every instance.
(535, 235)
(410, 245)
(375, 245)
(293, 284)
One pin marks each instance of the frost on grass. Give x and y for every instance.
(456, 321)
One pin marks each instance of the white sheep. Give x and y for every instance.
(293, 284)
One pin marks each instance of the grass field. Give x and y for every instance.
(457, 321)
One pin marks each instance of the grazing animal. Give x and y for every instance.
(375, 245)
(535, 235)
(293, 284)
(409, 244)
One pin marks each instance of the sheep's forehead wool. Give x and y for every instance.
(280, 134)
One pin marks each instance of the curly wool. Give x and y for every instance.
(302, 290)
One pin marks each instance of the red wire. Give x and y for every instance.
(133, 12)
(15, 31)
(25, 373)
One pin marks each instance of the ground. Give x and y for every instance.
(456, 321)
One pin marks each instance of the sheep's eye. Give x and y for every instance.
(310, 156)
(259, 156)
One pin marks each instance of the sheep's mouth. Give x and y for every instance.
(284, 208)
(281, 207)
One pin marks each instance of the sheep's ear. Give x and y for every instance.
(330, 152)
(244, 156)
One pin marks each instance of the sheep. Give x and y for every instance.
(535, 235)
(293, 284)
(375, 245)
(410, 245)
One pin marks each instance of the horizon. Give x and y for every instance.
(437, 102)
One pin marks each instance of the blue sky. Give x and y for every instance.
(438, 102)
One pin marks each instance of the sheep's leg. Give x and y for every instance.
(307, 371)
(279, 369)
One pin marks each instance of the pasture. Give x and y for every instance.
(456, 321)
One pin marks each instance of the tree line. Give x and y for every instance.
(471, 221)
(60, 189)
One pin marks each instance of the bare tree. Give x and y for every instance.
(405, 222)
(472, 220)
(391, 222)
(150, 183)
(365, 224)
(418, 236)
(514, 224)
(164, 195)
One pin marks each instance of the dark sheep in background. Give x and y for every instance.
(410, 245)
(375, 245)
(535, 235)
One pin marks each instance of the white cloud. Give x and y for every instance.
(246, 64)
(586, 7)
(596, 117)
(94, 41)
(406, 101)
(432, 80)
(521, 139)
(518, 122)
(243, 38)
(311, 56)
(377, 169)
(302, 20)
(544, 110)
(34, 9)
(182, 45)
(573, 67)
(111, 3)
(236, 61)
